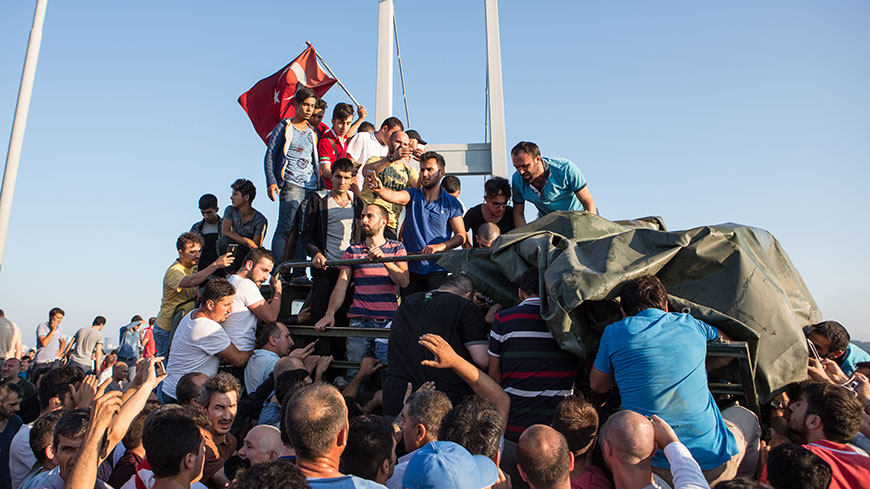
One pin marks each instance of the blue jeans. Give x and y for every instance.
(359, 348)
(291, 201)
(161, 342)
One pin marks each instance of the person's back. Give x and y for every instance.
(454, 318)
(652, 379)
(534, 371)
(10, 337)
(87, 342)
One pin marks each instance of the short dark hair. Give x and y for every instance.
(451, 184)
(838, 409)
(366, 126)
(246, 188)
(343, 165)
(278, 474)
(314, 415)
(133, 437)
(208, 201)
(304, 94)
(529, 282)
(267, 330)
(439, 160)
(55, 310)
(740, 483)
(186, 390)
(72, 424)
(577, 420)
(289, 382)
(643, 293)
(459, 282)
(55, 383)
(369, 443)
(342, 111)
(475, 424)
(320, 104)
(526, 147)
(258, 254)
(391, 122)
(382, 211)
(428, 408)
(834, 332)
(42, 433)
(11, 388)
(168, 436)
(135, 318)
(187, 238)
(496, 186)
(99, 321)
(216, 289)
(544, 468)
(794, 467)
(219, 383)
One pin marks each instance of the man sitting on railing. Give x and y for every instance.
(374, 296)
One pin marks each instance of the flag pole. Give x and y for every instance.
(333, 75)
(22, 107)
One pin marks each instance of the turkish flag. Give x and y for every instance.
(270, 100)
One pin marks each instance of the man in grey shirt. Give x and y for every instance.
(49, 337)
(87, 346)
(10, 338)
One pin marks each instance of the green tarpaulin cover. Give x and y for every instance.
(737, 278)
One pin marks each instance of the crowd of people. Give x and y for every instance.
(460, 392)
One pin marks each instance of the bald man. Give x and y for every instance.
(545, 461)
(263, 444)
(629, 440)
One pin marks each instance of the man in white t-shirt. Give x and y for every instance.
(365, 145)
(200, 341)
(248, 303)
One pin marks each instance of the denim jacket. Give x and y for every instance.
(276, 150)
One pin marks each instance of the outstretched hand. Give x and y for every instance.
(445, 356)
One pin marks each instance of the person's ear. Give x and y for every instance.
(522, 474)
(667, 305)
(813, 422)
(341, 440)
(421, 433)
(384, 467)
(190, 461)
(570, 462)
(836, 354)
(49, 452)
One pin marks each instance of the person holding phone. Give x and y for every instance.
(242, 226)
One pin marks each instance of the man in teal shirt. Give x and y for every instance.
(833, 341)
(551, 184)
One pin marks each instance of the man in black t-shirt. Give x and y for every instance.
(449, 313)
(495, 209)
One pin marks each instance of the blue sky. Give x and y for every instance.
(700, 112)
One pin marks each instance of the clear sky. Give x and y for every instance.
(700, 112)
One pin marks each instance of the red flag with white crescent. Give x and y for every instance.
(271, 99)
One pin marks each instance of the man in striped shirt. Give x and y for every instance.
(527, 361)
(374, 296)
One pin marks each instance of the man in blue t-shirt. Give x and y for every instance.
(551, 184)
(657, 360)
(832, 341)
(433, 221)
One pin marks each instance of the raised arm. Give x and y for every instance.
(202, 275)
(482, 385)
(267, 311)
(400, 197)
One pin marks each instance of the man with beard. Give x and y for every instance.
(219, 397)
(433, 222)
(828, 417)
(200, 341)
(9, 374)
(374, 296)
(10, 399)
(249, 305)
(552, 184)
